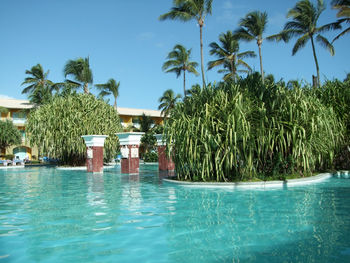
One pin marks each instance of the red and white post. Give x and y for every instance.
(129, 149)
(94, 152)
(165, 163)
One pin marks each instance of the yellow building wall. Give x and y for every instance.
(30, 151)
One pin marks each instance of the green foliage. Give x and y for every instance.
(246, 130)
(304, 24)
(179, 61)
(151, 157)
(80, 70)
(148, 142)
(185, 10)
(56, 128)
(146, 123)
(158, 129)
(109, 88)
(39, 88)
(252, 28)
(9, 134)
(3, 110)
(229, 56)
(168, 102)
(8, 156)
(336, 94)
(343, 8)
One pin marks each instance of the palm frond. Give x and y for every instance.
(325, 43)
(301, 42)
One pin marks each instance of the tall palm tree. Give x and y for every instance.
(80, 70)
(252, 27)
(179, 61)
(109, 88)
(228, 55)
(40, 96)
(186, 10)
(343, 7)
(168, 102)
(37, 79)
(304, 21)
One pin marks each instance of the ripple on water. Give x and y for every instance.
(72, 216)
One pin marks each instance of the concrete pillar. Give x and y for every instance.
(165, 163)
(129, 149)
(94, 152)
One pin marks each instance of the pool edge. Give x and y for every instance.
(264, 184)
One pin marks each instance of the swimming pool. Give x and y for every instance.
(71, 216)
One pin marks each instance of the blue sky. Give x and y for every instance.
(126, 41)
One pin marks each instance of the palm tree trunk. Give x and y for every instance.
(115, 103)
(184, 83)
(86, 88)
(201, 45)
(261, 65)
(233, 71)
(316, 62)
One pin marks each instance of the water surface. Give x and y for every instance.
(48, 215)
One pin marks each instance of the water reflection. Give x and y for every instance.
(80, 217)
(301, 224)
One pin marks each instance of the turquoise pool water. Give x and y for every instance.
(48, 215)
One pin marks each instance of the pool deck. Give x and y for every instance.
(256, 185)
(11, 167)
(83, 168)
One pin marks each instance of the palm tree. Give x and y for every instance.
(343, 7)
(305, 16)
(252, 27)
(168, 102)
(36, 80)
(109, 88)
(179, 61)
(80, 70)
(186, 10)
(228, 55)
(40, 96)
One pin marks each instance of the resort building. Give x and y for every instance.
(18, 110)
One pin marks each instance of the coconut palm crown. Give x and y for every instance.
(343, 7)
(186, 10)
(179, 61)
(252, 27)
(80, 70)
(228, 55)
(168, 102)
(37, 79)
(109, 88)
(304, 25)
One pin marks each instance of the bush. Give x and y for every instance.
(150, 157)
(9, 156)
(245, 130)
(56, 128)
(9, 134)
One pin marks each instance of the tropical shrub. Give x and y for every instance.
(336, 94)
(148, 144)
(150, 157)
(9, 134)
(239, 132)
(56, 128)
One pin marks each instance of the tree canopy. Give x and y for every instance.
(9, 134)
(179, 61)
